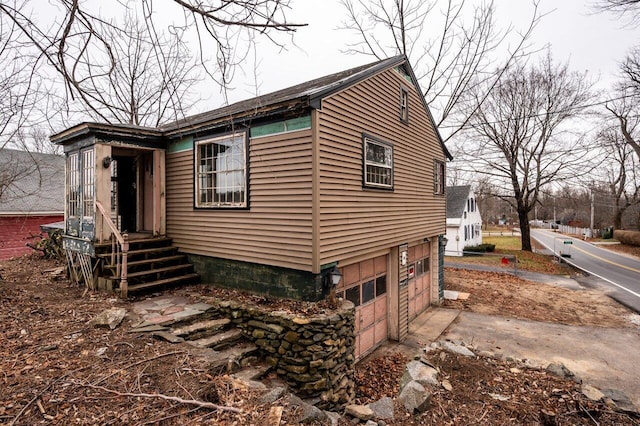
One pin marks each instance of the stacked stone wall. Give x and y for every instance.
(314, 354)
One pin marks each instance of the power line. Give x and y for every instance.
(573, 108)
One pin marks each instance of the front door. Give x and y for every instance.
(124, 192)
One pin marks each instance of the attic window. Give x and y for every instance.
(438, 177)
(404, 105)
(221, 172)
(378, 163)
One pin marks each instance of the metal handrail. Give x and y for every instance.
(123, 245)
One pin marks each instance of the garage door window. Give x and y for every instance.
(366, 292)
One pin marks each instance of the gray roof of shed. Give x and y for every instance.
(31, 182)
(457, 200)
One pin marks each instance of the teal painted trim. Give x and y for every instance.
(184, 144)
(283, 126)
(298, 123)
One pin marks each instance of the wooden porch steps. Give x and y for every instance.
(183, 279)
(152, 263)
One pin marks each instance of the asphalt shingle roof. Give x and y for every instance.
(31, 182)
(457, 200)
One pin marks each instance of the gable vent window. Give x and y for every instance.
(378, 163)
(404, 105)
(221, 172)
(438, 177)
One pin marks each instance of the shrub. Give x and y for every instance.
(480, 248)
(627, 237)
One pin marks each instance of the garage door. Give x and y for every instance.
(419, 285)
(365, 284)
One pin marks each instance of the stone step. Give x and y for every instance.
(252, 372)
(201, 327)
(219, 340)
(230, 357)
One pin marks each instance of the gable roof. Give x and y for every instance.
(31, 182)
(457, 200)
(295, 98)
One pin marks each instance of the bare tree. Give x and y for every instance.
(626, 111)
(452, 54)
(518, 135)
(83, 44)
(622, 174)
(149, 82)
(629, 9)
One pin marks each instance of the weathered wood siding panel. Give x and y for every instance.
(352, 219)
(276, 230)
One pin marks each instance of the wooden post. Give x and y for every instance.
(123, 277)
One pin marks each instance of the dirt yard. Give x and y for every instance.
(55, 369)
(507, 295)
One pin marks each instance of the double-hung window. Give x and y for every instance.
(221, 171)
(378, 163)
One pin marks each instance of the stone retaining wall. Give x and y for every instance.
(315, 354)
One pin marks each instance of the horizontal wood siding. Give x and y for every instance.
(276, 230)
(352, 219)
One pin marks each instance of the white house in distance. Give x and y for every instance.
(464, 223)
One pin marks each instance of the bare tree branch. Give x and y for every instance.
(448, 65)
(521, 139)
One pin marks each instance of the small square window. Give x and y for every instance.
(368, 289)
(381, 285)
(378, 164)
(353, 294)
(404, 105)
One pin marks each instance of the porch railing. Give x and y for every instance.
(119, 246)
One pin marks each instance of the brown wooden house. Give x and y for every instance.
(271, 194)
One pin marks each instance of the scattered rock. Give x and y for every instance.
(333, 418)
(273, 395)
(620, 399)
(562, 371)
(101, 351)
(111, 318)
(456, 349)
(499, 397)
(371, 423)
(361, 412)
(383, 408)
(311, 414)
(591, 392)
(446, 385)
(515, 370)
(415, 397)
(419, 372)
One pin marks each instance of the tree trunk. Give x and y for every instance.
(525, 229)
(617, 219)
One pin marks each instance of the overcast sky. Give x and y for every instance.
(590, 41)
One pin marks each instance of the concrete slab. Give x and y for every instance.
(429, 325)
(607, 358)
(451, 294)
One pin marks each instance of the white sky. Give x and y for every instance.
(590, 41)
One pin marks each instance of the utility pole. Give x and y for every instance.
(592, 215)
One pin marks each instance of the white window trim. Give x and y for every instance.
(386, 145)
(221, 205)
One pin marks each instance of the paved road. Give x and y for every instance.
(621, 273)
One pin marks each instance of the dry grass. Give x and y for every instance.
(511, 246)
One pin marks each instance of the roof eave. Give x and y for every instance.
(110, 130)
